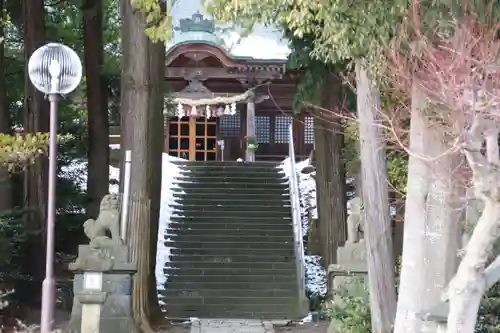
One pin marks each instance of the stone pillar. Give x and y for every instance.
(351, 258)
(250, 153)
(102, 286)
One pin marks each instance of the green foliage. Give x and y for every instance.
(158, 19)
(350, 152)
(488, 320)
(17, 150)
(397, 170)
(314, 75)
(22, 150)
(397, 161)
(350, 313)
(63, 21)
(11, 229)
(342, 29)
(251, 143)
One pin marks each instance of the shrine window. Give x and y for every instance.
(281, 129)
(230, 125)
(309, 130)
(262, 126)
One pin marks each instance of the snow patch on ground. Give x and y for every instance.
(77, 170)
(316, 276)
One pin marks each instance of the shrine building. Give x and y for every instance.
(217, 105)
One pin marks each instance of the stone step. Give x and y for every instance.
(237, 173)
(242, 259)
(234, 251)
(217, 265)
(226, 225)
(177, 277)
(221, 214)
(251, 197)
(269, 311)
(230, 170)
(232, 222)
(279, 201)
(225, 164)
(231, 186)
(222, 163)
(230, 301)
(212, 271)
(241, 206)
(231, 285)
(230, 245)
(237, 179)
(225, 293)
(229, 192)
(227, 232)
(221, 237)
(230, 272)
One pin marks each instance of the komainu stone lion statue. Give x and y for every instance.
(355, 221)
(108, 220)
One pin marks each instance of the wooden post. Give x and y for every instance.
(250, 153)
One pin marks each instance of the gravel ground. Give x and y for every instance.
(320, 327)
(62, 318)
(174, 327)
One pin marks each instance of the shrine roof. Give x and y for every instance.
(202, 48)
(260, 46)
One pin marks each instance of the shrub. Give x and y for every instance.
(350, 309)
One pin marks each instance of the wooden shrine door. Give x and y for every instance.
(193, 139)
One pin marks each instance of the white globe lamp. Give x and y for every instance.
(55, 69)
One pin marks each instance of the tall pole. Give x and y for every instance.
(54, 69)
(126, 195)
(250, 122)
(48, 286)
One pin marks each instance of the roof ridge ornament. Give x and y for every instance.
(195, 86)
(197, 23)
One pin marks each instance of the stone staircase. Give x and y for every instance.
(232, 243)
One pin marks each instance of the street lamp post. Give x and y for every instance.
(54, 69)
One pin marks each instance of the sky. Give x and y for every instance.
(262, 43)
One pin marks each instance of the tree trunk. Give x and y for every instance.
(378, 233)
(432, 228)
(472, 280)
(468, 286)
(97, 106)
(330, 175)
(141, 132)
(36, 119)
(5, 183)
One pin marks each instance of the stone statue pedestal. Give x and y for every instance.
(352, 264)
(351, 260)
(102, 286)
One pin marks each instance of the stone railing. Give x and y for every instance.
(296, 218)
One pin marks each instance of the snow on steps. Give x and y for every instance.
(223, 265)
